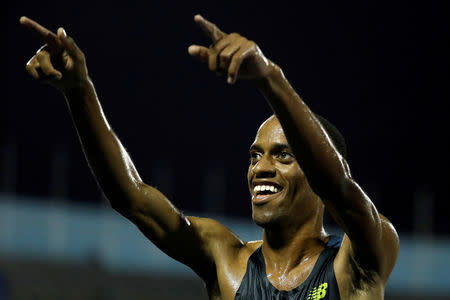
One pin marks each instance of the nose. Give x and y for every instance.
(264, 168)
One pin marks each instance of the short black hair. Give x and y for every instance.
(335, 135)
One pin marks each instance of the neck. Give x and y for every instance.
(285, 246)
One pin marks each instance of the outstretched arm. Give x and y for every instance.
(373, 242)
(190, 240)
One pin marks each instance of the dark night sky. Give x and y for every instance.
(379, 71)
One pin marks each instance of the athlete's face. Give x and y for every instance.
(276, 182)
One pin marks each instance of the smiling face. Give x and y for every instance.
(278, 186)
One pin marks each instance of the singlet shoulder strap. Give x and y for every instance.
(328, 254)
(334, 241)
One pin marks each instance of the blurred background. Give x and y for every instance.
(378, 70)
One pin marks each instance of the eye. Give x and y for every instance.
(254, 157)
(285, 156)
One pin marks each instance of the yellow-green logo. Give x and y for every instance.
(318, 292)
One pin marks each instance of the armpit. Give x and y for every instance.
(361, 279)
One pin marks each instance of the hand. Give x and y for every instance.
(59, 62)
(230, 54)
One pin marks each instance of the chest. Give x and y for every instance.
(247, 277)
(284, 280)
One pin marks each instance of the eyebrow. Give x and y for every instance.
(274, 148)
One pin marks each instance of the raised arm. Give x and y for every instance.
(372, 243)
(190, 240)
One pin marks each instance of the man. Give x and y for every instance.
(295, 173)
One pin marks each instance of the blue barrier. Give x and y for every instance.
(58, 230)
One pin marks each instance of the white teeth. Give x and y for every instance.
(262, 188)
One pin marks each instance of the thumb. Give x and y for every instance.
(69, 45)
(200, 52)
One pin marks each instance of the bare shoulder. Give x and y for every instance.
(246, 251)
(218, 240)
(353, 279)
(231, 270)
(229, 254)
(212, 229)
(253, 245)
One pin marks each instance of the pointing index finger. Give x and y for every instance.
(46, 35)
(209, 28)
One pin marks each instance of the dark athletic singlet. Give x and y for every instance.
(320, 284)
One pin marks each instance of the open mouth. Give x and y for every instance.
(264, 192)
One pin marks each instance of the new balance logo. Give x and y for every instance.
(318, 292)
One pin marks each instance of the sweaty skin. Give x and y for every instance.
(291, 216)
